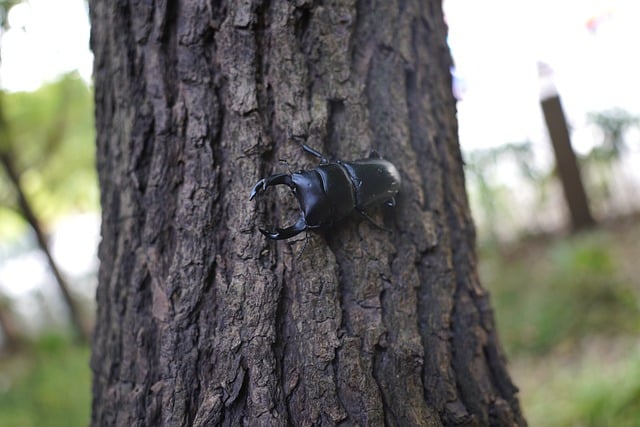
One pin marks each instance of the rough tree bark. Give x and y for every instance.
(201, 320)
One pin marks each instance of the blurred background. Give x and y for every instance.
(549, 118)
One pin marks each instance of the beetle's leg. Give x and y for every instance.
(287, 164)
(306, 240)
(314, 152)
(368, 218)
(262, 185)
(308, 149)
(285, 233)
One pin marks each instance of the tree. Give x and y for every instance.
(567, 164)
(201, 320)
(11, 337)
(36, 142)
(28, 142)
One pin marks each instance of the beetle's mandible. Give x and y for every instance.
(333, 190)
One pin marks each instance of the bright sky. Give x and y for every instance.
(46, 38)
(591, 45)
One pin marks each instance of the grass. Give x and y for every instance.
(599, 386)
(568, 313)
(47, 384)
(560, 293)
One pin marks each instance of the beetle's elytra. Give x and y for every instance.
(333, 190)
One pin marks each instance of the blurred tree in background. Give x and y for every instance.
(515, 195)
(51, 146)
(46, 173)
(608, 182)
(5, 6)
(47, 160)
(494, 199)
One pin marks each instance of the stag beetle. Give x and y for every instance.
(333, 190)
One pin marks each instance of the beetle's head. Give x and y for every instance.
(287, 232)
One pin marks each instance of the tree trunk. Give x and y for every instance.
(567, 165)
(201, 320)
(11, 336)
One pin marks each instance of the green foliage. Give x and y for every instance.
(601, 389)
(48, 384)
(5, 5)
(594, 402)
(559, 294)
(50, 138)
(601, 165)
(488, 190)
(568, 313)
(613, 124)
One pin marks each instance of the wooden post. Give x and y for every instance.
(566, 164)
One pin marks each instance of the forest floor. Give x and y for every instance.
(567, 310)
(568, 314)
(46, 383)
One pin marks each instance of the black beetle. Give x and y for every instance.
(333, 190)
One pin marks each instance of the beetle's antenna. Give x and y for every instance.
(306, 240)
(315, 153)
(288, 166)
(368, 218)
(308, 149)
